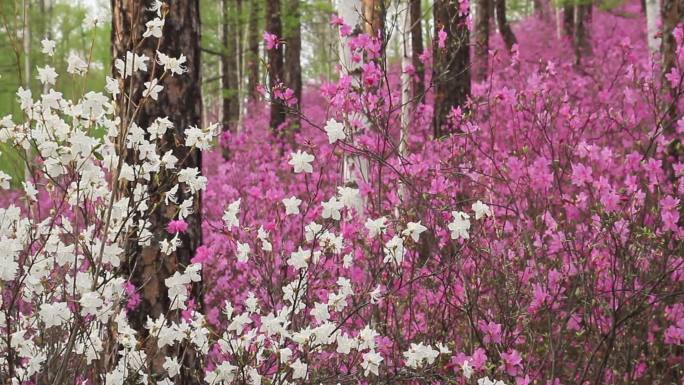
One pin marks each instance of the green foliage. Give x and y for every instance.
(62, 22)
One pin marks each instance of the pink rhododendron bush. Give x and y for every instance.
(540, 242)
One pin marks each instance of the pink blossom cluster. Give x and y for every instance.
(552, 245)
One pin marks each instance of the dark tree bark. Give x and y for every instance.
(502, 23)
(253, 54)
(181, 102)
(229, 67)
(275, 62)
(568, 21)
(451, 68)
(293, 51)
(541, 9)
(482, 16)
(417, 47)
(581, 40)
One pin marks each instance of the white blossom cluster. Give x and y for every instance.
(86, 199)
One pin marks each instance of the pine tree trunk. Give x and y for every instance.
(582, 27)
(568, 21)
(293, 51)
(451, 68)
(229, 70)
(180, 101)
(417, 48)
(482, 15)
(374, 12)
(502, 23)
(253, 54)
(275, 62)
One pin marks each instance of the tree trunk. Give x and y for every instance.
(417, 51)
(229, 70)
(275, 63)
(581, 39)
(482, 40)
(541, 9)
(652, 10)
(253, 54)
(672, 16)
(451, 68)
(374, 12)
(180, 101)
(293, 51)
(406, 51)
(568, 21)
(26, 42)
(502, 23)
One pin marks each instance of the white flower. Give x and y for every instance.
(54, 314)
(152, 89)
(344, 344)
(242, 252)
(222, 374)
(350, 197)
(48, 47)
(460, 225)
(154, 28)
(301, 161)
(375, 294)
(30, 190)
(285, 354)
(299, 369)
(90, 302)
(76, 65)
(25, 98)
(331, 209)
(367, 337)
(311, 230)
(420, 354)
(487, 381)
(414, 229)
(156, 7)
(371, 363)
(291, 205)
(394, 250)
(171, 64)
(47, 75)
(112, 86)
(320, 312)
(159, 127)
(375, 226)
(335, 131)
(467, 369)
(133, 63)
(230, 215)
(481, 210)
(299, 259)
(171, 366)
(4, 180)
(194, 137)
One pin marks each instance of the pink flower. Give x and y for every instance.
(202, 254)
(512, 362)
(177, 226)
(441, 38)
(271, 40)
